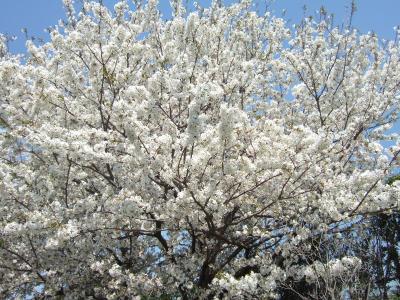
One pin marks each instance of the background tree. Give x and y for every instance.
(203, 156)
(381, 244)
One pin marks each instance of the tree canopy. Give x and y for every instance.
(217, 154)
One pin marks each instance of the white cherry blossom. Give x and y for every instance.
(187, 157)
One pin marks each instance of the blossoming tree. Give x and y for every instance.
(194, 157)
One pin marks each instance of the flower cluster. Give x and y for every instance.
(188, 157)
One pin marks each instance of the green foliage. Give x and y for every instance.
(393, 179)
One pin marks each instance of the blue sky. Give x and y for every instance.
(37, 15)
